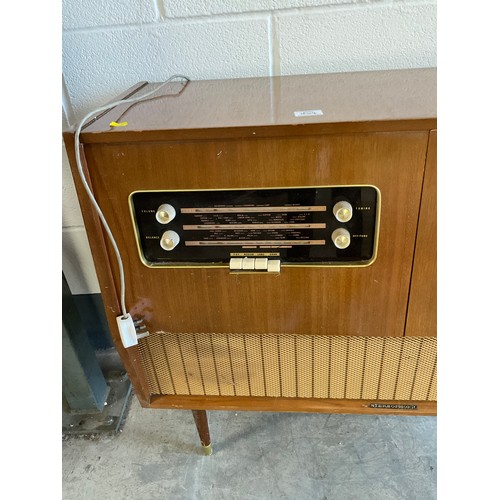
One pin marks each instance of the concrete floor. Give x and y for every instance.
(256, 456)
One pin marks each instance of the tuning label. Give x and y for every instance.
(335, 225)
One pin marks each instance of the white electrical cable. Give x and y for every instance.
(89, 191)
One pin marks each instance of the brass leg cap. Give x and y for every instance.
(207, 450)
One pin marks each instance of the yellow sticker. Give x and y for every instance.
(122, 124)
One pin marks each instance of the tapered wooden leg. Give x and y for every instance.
(201, 421)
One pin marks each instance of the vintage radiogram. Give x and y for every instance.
(278, 238)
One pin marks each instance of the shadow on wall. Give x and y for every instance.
(91, 310)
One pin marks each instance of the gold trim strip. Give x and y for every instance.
(228, 210)
(245, 243)
(207, 227)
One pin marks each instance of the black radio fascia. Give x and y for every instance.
(215, 225)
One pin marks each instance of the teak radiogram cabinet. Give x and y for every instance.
(278, 237)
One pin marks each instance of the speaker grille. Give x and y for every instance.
(299, 366)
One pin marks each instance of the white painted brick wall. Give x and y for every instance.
(90, 13)
(115, 59)
(109, 45)
(77, 262)
(341, 40)
(190, 8)
(71, 215)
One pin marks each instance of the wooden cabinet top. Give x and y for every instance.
(259, 103)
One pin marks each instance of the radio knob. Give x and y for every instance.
(169, 240)
(165, 213)
(341, 238)
(342, 211)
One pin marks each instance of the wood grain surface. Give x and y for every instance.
(109, 291)
(333, 301)
(422, 308)
(292, 404)
(373, 129)
(272, 102)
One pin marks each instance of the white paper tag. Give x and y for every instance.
(309, 112)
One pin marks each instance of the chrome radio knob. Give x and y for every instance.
(169, 240)
(342, 211)
(165, 213)
(341, 238)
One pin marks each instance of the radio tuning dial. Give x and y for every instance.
(165, 213)
(169, 240)
(342, 211)
(341, 238)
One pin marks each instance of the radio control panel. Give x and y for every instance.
(335, 225)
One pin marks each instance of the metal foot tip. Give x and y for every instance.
(207, 450)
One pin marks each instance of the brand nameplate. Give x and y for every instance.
(393, 406)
